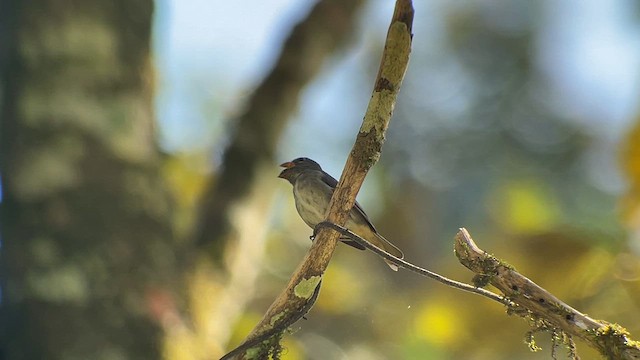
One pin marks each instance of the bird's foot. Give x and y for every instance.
(317, 228)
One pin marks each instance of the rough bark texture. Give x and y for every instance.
(86, 238)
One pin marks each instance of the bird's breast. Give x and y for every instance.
(312, 199)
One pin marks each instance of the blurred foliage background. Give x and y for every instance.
(511, 122)
(518, 120)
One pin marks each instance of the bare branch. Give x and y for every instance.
(537, 304)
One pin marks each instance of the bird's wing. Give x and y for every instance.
(329, 180)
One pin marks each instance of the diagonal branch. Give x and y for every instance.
(289, 305)
(538, 304)
(273, 333)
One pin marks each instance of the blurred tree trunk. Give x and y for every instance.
(88, 265)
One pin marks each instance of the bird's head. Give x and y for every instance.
(293, 168)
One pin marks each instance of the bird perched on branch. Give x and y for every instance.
(312, 191)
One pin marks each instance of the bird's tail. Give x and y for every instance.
(385, 245)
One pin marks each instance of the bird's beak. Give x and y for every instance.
(288, 165)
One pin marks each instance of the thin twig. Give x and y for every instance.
(414, 268)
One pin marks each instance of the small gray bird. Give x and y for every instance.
(312, 191)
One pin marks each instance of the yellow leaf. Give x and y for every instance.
(438, 323)
(525, 206)
(342, 290)
(630, 160)
(186, 175)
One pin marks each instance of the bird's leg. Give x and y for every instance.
(315, 232)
